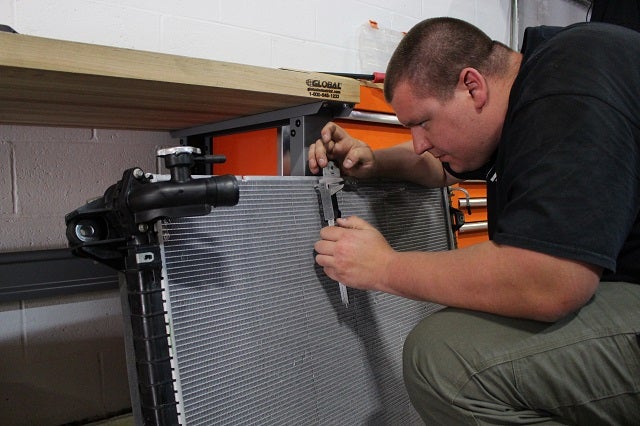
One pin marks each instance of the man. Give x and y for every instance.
(543, 323)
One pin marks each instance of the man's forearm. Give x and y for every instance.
(401, 162)
(497, 279)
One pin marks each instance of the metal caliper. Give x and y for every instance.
(328, 187)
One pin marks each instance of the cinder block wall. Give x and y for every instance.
(46, 172)
(63, 358)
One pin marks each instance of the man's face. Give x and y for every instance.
(454, 132)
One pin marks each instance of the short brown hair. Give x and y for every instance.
(433, 53)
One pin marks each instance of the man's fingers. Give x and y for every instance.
(353, 222)
(331, 233)
(317, 156)
(323, 247)
(329, 131)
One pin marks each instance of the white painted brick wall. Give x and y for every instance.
(62, 358)
(246, 31)
(47, 172)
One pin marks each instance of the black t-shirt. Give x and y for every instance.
(565, 179)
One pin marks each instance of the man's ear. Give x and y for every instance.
(472, 81)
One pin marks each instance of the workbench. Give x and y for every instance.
(49, 82)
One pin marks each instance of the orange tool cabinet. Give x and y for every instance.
(475, 228)
(248, 153)
(258, 153)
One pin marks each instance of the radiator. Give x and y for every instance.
(258, 333)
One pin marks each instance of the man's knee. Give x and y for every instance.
(431, 366)
(443, 357)
(422, 352)
(432, 349)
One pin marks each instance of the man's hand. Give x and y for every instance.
(354, 253)
(354, 157)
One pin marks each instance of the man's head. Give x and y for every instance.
(431, 56)
(449, 83)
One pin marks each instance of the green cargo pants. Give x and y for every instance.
(469, 368)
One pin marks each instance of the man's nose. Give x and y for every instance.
(420, 141)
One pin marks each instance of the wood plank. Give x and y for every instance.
(60, 83)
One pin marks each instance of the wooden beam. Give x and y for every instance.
(61, 83)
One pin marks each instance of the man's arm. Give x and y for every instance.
(357, 159)
(503, 280)
(486, 277)
(401, 162)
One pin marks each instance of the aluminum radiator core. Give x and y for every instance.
(258, 332)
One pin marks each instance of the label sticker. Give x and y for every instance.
(324, 89)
